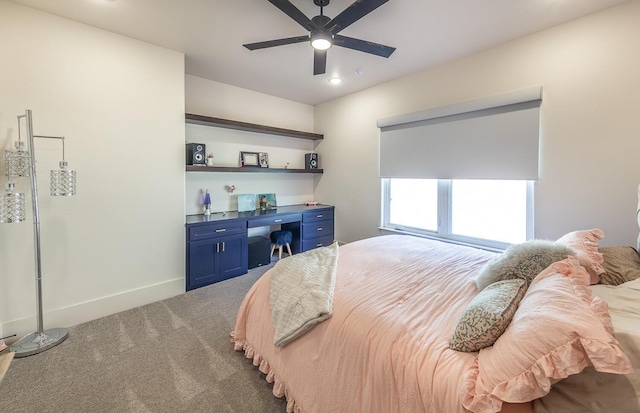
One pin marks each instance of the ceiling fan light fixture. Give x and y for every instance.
(321, 40)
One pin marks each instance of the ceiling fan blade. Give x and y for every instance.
(319, 62)
(363, 46)
(276, 42)
(357, 10)
(292, 11)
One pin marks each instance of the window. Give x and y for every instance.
(491, 213)
(463, 172)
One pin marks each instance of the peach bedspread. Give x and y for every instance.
(385, 349)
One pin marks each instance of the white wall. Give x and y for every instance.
(590, 127)
(120, 104)
(209, 98)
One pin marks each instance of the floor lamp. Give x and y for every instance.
(21, 163)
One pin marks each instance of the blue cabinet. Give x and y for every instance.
(215, 252)
(217, 246)
(314, 230)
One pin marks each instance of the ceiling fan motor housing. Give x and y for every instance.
(320, 20)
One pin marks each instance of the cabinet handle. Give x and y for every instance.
(277, 220)
(319, 229)
(221, 230)
(222, 246)
(217, 247)
(319, 216)
(319, 245)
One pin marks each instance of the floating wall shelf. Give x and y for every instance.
(251, 169)
(250, 127)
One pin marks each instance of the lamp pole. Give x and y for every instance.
(42, 339)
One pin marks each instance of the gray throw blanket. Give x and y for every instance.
(301, 292)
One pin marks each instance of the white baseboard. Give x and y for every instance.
(91, 310)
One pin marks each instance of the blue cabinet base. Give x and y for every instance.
(218, 247)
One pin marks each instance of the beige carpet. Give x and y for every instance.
(170, 356)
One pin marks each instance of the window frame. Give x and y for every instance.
(443, 232)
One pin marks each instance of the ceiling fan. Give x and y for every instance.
(323, 31)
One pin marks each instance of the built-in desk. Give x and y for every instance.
(217, 245)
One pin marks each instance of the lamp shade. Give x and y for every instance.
(18, 162)
(12, 206)
(63, 181)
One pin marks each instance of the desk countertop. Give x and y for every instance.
(229, 215)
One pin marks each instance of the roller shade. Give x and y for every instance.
(491, 138)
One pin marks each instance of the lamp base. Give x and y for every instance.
(36, 343)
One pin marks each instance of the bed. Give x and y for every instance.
(398, 305)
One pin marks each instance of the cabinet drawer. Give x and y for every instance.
(216, 229)
(317, 229)
(309, 244)
(274, 220)
(319, 215)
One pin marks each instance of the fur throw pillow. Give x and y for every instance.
(523, 261)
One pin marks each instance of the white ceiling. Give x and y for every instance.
(211, 33)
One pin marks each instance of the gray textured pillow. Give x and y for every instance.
(488, 315)
(523, 261)
(621, 264)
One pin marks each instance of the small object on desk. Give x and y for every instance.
(246, 202)
(207, 203)
(268, 201)
(311, 203)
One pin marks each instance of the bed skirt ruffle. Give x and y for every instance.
(279, 388)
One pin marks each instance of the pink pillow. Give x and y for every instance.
(557, 331)
(585, 244)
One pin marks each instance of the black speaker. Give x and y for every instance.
(311, 161)
(196, 154)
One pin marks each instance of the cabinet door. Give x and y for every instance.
(203, 263)
(234, 256)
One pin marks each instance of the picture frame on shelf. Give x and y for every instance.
(264, 159)
(249, 159)
(267, 201)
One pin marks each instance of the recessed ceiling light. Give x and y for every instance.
(335, 80)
